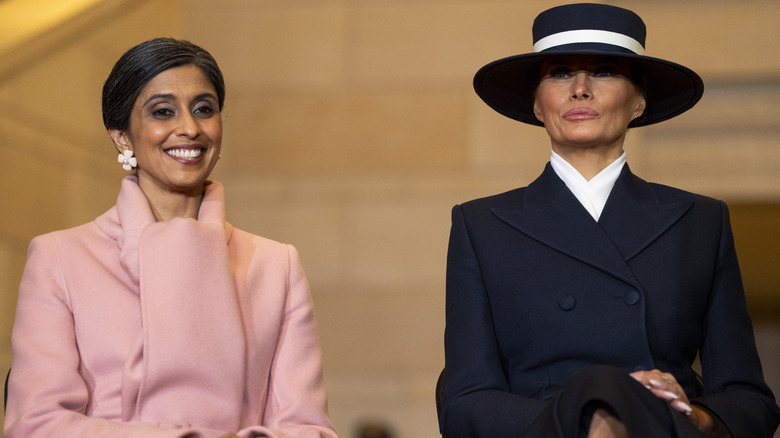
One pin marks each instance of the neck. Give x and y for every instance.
(588, 161)
(167, 205)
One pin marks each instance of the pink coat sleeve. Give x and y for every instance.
(297, 400)
(46, 394)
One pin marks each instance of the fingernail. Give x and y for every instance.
(648, 387)
(685, 407)
(671, 395)
(655, 383)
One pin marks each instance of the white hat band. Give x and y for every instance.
(589, 36)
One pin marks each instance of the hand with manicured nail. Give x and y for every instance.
(665, 387)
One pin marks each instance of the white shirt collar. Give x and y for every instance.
(592, 194)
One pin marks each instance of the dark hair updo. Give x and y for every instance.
(141, 64)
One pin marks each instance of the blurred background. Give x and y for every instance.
(351, 129)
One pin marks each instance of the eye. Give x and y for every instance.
(162, 113)
(559, 73)
(605, 71)
(204, 110)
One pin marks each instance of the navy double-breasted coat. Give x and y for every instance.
(537, 290)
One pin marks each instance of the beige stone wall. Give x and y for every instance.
(351, 128)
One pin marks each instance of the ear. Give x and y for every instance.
(538, 112)
(120, 139)
(639, 109)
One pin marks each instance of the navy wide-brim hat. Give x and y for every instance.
(508, 85)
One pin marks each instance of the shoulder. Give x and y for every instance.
(650, 192)
(645, 191)
(263, 261)
(537, 194)
(242, 237)
(248, 246)
(77, 236)
(485, 204)
(669, 193)
(703, 204)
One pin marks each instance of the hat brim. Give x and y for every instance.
(508, 85)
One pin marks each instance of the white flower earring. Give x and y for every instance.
(128, 160)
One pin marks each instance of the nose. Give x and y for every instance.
(188, 126)
(580, 86)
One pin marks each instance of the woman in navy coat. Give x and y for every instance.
(577, 306)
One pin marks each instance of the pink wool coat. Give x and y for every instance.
(127, 327)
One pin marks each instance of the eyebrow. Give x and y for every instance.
(171, 96)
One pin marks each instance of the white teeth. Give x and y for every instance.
(184, 153)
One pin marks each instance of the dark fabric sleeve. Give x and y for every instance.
(734, 387)
(476, 401)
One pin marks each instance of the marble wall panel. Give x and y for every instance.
(345, 131)
(296, 45)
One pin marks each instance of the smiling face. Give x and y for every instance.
(587, 102)
(175, 132)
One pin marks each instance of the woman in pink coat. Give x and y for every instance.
(159, 319)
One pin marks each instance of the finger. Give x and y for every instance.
(666, 387)
(681, 406)
(642, 377)
(660, 387)
(657, 384)
(662, 380)
(646, 384)
(674, 400)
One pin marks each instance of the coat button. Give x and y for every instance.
(567, 302)
(631, 298)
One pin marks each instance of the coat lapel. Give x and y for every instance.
(632, 219)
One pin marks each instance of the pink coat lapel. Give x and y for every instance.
(183, 274)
